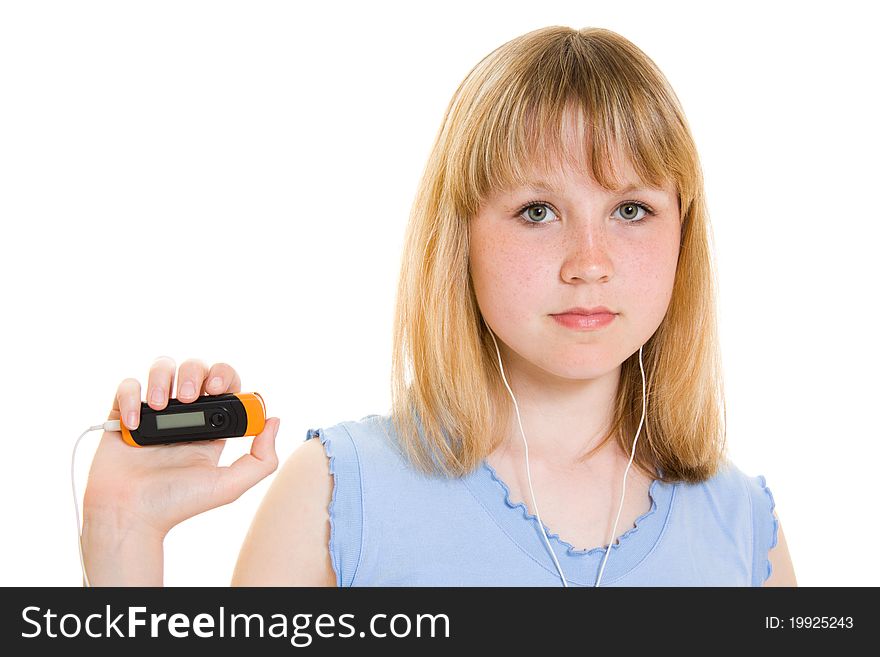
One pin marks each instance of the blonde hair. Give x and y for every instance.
(449, 405)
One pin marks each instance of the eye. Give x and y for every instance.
(536, 213)
(630, 210)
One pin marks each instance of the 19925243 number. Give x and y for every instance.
(809, 622)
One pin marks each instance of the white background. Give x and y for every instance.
(231, 181)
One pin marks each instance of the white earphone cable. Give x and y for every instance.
(632, 454)
(109, 425)
(528, 473)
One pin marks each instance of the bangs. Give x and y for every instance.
(566, 102)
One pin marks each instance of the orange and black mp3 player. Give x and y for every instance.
(230, 415)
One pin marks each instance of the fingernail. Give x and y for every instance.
(277, 426)
(158, 396)
(215, 382)
(187, 389)
(132, 420)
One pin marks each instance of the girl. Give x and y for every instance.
(555, 339)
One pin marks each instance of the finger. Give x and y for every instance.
(248, 470)
(114, 408)
(219, 379)
(160, 381)
(190, 378)
(127, 404)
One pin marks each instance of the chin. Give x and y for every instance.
(585, 374)
(582, 370)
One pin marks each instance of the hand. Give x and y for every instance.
(152, 489)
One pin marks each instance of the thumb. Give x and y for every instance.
(250, 469)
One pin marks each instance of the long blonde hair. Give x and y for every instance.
(449, 405)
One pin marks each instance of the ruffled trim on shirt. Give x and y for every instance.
(571, 549)
(775, 536)
(331, 510)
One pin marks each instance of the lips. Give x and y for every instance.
(597, 310)
(580, 322)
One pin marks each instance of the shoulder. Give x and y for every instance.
(750, 498)
(368, 447)
(781, 567)
(287, 543)
(309, 530)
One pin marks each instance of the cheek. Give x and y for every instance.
(507, 275)
(650, 274)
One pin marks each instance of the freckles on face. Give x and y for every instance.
(648, 272)
(522, 274)
(585, 262)
(508, 273)
(513, 272)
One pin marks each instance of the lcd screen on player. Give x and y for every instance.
(180, 420)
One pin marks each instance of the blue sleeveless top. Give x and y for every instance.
(391, 525)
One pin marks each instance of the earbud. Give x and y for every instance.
(528, 473)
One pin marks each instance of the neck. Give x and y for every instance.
(563, 419)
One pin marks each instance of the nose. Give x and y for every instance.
(587, 255)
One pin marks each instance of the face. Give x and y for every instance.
(537, 252)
